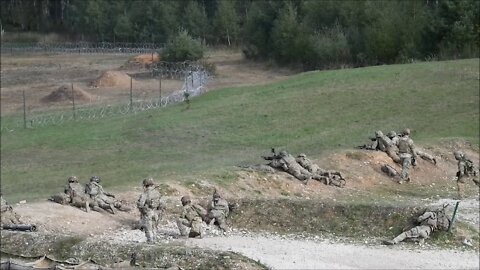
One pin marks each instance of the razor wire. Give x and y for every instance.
(193, 84)
(80, 47)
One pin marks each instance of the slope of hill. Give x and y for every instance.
(315, 112)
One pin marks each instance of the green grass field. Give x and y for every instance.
(311, 112)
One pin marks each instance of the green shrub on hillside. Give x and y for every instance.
(183, 47)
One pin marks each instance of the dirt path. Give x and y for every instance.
(280, 253)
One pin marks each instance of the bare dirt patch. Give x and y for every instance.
(112, 78)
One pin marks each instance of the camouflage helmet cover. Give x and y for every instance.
(148, 181)
(378, 133)
(95, 179)
(72, 179)
(406, 131)
(302, 155)
(458, 154)
(391, 134)
(283, 153)
(185, 200)
(216, 195)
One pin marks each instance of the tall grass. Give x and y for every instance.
(312, 112)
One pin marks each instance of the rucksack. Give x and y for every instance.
(470, 169)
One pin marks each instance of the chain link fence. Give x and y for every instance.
(193, 84)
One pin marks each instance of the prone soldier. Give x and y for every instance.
(101, 198)
(73, 194)
(327, 177)
(428, 222)
(286, 162)
(7, 215)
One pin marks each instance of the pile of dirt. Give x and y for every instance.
(112, 78)
(65, 93)
(145, 58)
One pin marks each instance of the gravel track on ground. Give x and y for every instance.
(305, 254)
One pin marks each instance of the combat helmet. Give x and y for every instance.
(185, 200)
(302, 155)
(148, 182)
(283, 153)
(216, 195)
(406, 131)
(73, 179)
(391, 134)
(378, 133)
(95, 179)
(458, 154)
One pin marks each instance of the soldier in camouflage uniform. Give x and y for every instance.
(406, 152)
(427, 223)
(424, 155)
(466, 169)
(149, 205)
(192, 216)
(286, 162)
(7, 215)
(101, 198)
(76, 193)
(217, 211)
(327, 177)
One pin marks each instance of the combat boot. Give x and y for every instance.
(388, 242)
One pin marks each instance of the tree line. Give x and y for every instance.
(308, 33)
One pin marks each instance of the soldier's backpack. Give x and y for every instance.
(443, 221)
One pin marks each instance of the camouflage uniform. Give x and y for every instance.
(7, 215)
(386, 145)
(287, 163)
(406, 151)
(327, 177)
(99, 197)
(218, 211)
(428, 222)
(424, 155)
(76, 194)
(149, 205)
(465, 170)
(190, 218)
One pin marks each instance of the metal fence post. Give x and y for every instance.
(131, 95)
(160, 88)
(24, 111)
(73, 104)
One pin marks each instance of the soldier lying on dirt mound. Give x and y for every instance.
(303, 168)
(101, 198)
(427, 223)
(74, 195)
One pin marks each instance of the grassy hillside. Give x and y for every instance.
(311, 112)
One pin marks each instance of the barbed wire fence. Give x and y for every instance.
(192, 75)
(80, 47)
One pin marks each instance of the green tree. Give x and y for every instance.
(182, 47)
(226, 22)
(195, 19)
(123, 28)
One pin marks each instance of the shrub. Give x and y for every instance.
(182, 47)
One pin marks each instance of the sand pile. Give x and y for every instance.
(145, 58)
(112, 79)
(64, 93)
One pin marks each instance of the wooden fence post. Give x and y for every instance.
(24, 111)
(73, 104)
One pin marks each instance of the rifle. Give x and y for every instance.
(273, 156)
(20, 227)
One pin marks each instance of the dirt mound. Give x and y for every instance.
(64, 93)
(145, 58)
(112, 78)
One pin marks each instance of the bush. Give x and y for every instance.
(182, 47)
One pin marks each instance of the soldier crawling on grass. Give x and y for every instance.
(466, 170)
(428, 222)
